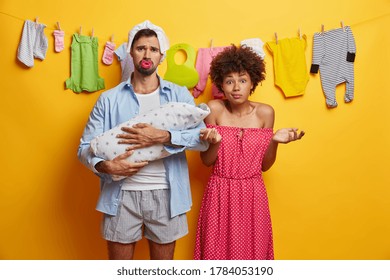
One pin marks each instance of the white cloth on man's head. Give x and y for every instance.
(162, 38)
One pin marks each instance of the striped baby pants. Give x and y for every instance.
(333, 54)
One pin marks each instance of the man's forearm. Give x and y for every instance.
(164, 137)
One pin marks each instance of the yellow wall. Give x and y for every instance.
(329, 193)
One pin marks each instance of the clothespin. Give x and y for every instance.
(300, 33)
(112, 38)
(211, 43)
(93, 32)
(276, 37)
(80, 31)
(36, 22)
(322, 28)
(342, 25)
(58, 25)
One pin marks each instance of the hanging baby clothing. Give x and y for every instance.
(203, 60)
(255, 44)
(290, 69)
(33, 43)
(125, 60)
(333, 54)
(84, 65)
(182, 74)
(108, 53)
(59, 40)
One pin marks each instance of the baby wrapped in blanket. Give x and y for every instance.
(170, 116)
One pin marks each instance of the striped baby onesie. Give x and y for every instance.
(333, 55)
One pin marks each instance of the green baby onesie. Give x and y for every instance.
(84, 65)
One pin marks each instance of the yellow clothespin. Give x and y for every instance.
(80, 31)
(112, 38)
(211, 43)
(300, 33)
(276, 37)
(322, 28)
(58, 25)
(93, 32)
(36, 22)
(342, 25)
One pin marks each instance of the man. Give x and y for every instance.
(155, 196)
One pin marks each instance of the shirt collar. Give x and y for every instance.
(164, 85)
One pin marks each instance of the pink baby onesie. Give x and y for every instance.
(203, 60)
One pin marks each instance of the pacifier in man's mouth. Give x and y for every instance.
(146, 64)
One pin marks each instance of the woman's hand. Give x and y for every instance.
(287, 135)
(210, 135)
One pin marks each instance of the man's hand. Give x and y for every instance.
(120, 166)
(143, 135)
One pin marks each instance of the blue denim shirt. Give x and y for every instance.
(118, 105)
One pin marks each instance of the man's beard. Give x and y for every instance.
(145, 72)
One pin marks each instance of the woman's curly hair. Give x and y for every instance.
(237, 60)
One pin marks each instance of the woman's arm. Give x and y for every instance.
(267, 114)
(284, 136)
(211, 135)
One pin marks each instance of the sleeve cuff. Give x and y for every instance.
(93, 162)
(350, 57)
(175, 140)
(314, 68)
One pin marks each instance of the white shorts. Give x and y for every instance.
(144, 212)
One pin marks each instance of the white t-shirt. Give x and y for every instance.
(152, 176)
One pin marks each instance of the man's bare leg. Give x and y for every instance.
(161, 251)
(120, 251)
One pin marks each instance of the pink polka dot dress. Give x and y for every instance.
(234, 220)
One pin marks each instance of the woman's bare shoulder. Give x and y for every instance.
(216, 105)
(264, 109)
(266, 114)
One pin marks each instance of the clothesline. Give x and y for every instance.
(291, 86)
(49, 28)
(352, 25)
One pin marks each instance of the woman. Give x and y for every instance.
(234, 220)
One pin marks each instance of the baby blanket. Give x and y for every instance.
(170, 116)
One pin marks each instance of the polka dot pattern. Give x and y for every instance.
(170, 116)
(234, 220)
